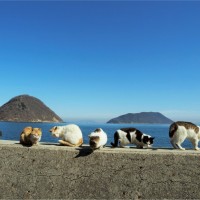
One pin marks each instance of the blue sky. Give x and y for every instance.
(100, 59)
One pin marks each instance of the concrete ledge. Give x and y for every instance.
(49, 171)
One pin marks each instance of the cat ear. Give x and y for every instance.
(153, 138)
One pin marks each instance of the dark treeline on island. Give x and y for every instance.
(25, 108)
(143, 117)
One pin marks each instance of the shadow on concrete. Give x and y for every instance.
(24, 145)
(84, 151)
(51, 144)
(42, 143)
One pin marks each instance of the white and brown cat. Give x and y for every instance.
(70, 135)
(97, 139)
(30, 136)
(180, 130)
(127, 136)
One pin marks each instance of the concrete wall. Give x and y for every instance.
(54, 172)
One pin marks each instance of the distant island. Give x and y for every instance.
(25, 108)
(143, 117)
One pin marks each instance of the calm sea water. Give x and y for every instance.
(11, 131)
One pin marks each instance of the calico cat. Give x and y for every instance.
(132, 136)
(70, 135)
(98, 139)
(30, 136)
(180, 130)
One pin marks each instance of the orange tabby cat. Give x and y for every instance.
(30, 136)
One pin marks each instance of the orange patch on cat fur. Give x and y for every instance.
(66, 143)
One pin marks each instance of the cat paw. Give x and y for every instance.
(178, 146)
(113, 145)
(61, 142)
(197, 149)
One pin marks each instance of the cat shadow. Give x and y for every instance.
(24, 145)
(84, 151)
(42, 143)
(153, 148)
(143, 149)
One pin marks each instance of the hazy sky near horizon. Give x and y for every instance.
(101, 59)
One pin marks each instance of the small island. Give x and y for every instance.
(141, 118)
(25, 108)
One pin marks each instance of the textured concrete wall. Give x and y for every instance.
(55, 172)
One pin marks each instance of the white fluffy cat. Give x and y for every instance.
(70, 135)
(179, 131)
(98, 139)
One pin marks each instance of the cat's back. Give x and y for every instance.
(72, 133)
(98, 138)
(101, 134)
(25, 134)
(123, 132)
(72, 128)
(181, 127)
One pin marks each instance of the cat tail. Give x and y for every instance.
(66, 143)
(116, 139)
(172, 129)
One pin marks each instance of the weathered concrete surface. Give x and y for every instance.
(56, 172)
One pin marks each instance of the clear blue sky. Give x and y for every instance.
(101, 59)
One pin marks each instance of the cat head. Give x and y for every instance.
(55, 131)
(94, 140)
(35, 135)
(148, 140)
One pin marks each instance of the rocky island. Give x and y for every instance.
(25, 108)
(140, 118)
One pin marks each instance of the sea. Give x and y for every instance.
(12, 130)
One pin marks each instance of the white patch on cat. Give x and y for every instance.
(35, 138)
(98, 139)
(123, 139)
(71, 135)
(179, 131)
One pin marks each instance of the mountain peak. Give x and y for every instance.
(25, 108)
(143, 117)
